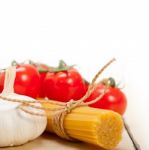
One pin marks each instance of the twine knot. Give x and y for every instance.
(70, 105)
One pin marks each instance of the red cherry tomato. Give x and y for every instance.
(27, 80)
(42, 69)
(114, 99)
(42, 91)
(64, 85)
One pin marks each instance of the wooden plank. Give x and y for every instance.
(49, 141)
(126, 143)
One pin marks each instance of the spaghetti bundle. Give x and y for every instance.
(95, 126)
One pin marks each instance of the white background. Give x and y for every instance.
(86, 33)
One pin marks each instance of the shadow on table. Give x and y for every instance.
(52, 142)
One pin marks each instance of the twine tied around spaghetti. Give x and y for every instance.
(65, 108)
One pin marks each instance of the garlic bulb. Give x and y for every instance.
(16, 126)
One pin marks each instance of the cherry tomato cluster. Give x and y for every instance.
(63, 83)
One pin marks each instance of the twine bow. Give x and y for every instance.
(65, 108)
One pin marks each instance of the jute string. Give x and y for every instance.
(65, 108)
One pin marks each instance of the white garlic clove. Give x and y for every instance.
(16, 126)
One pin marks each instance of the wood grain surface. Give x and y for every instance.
(49, 141)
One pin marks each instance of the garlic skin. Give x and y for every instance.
(16, 126)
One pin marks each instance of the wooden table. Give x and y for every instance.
(52, 142)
